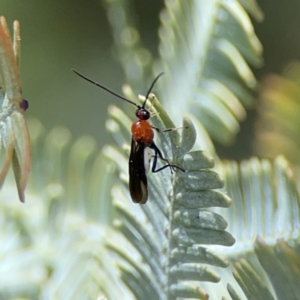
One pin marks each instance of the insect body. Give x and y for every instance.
(141, 145)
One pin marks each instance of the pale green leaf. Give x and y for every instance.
(205, 48)
(268, 208)
(174, 220)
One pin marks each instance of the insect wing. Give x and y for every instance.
(147, 158)
(137, 173)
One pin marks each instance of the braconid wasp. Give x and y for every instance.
(141, 143)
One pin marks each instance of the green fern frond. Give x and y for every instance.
(57, 240)
(278, 263)
(268, 208)
(164, 258)
(204, 49)
(81, 243)
(71, 256)
(269, 201)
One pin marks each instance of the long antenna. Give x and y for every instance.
(111, 92)
(151, 87)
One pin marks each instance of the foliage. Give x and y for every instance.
(81, 237)
(14, 136)
(279, 108)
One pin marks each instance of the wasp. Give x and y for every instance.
(142, 145)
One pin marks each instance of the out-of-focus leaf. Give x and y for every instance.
(278, 115)
(54, 246)
(279, 263)
(267, 201)
(266, 205)
(251, 283)
(14, 140)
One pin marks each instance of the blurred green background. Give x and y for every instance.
(58, 36)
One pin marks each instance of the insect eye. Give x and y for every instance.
(142, 114)
(24, 104)
(146, 114)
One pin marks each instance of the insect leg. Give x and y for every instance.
(168, 129)
(159, 154)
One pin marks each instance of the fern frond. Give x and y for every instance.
(204, 49)
(269, 201)
(165, 258)
(201, 44)
(168, 248)
(278, 263)
(68, 251)
(268, 208)
(57, 240)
